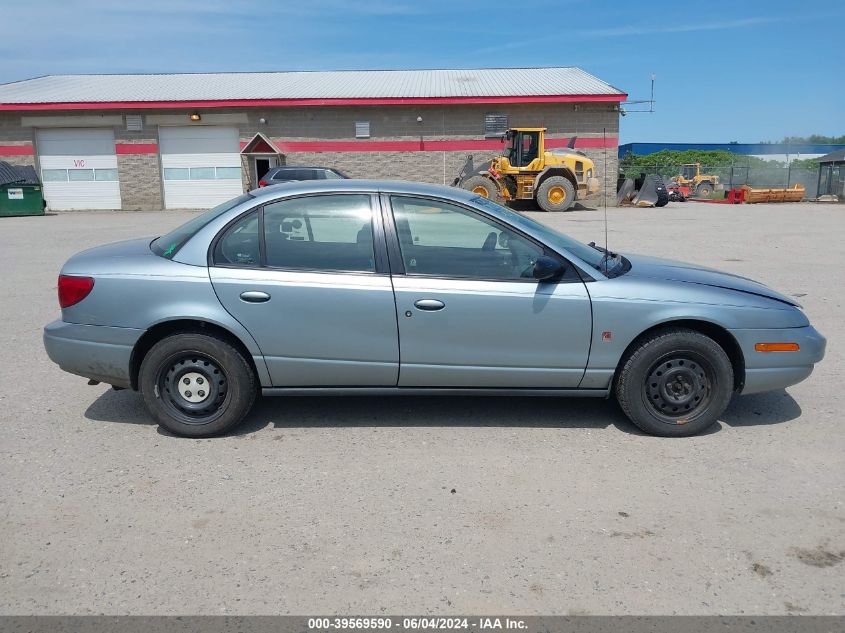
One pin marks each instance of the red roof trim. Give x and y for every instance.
(283, 103)
(17, 150)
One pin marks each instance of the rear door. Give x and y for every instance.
(308, 277)
(470, 312)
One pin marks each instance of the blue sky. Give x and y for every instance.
(726, 71)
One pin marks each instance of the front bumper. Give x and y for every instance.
(767, 371)
(97, 352)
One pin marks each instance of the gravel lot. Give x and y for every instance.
(412, 505)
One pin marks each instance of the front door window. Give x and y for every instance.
(445, 240)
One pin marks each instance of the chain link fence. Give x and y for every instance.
(739, 174)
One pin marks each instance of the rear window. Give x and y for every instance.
(168, 245)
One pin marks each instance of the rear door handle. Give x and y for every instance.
(254, 296)
(429, 304)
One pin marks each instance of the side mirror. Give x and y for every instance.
(547, 268)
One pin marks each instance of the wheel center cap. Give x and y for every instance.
(193, 387)
(679, 386)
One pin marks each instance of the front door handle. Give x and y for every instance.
(254, 296)
(429, 305)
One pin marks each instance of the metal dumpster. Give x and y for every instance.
(20, 191)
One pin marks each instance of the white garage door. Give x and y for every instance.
(201, 166)
(79, 168)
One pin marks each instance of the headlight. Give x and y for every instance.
(589, 173)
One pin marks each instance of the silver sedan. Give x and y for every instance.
(368, 287)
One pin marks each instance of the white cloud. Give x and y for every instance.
(658, 27)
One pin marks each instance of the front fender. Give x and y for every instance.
(621, 313)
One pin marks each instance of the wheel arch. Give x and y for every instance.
(718, 333)
(163, 329)
(555, 171)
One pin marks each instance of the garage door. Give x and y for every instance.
(79, 168)
(201, 166)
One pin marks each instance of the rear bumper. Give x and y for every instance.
(766, 371)
(97, 352)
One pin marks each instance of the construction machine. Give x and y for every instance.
(701, 185)
(554, 178)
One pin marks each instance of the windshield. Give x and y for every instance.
(595, 258)
(168, 245)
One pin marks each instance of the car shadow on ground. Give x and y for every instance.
(127, 407)
(531, 206)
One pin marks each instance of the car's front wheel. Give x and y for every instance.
(676, 382)
(196, 385)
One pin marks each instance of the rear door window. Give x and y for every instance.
(324, 233)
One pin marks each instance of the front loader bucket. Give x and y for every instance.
(650, 192)
(468, 171)
(625, 192)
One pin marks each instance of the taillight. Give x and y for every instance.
(262, 183)
(72, 289)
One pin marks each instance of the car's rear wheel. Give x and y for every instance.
(675, 383)
(196, 385)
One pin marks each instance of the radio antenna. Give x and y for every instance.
(604, 192)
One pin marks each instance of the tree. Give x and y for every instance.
(669, 161)
(815, 138)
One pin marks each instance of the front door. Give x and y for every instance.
(263, 164)
(308, 280)
(470, 312)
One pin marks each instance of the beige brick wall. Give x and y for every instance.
(140, 182)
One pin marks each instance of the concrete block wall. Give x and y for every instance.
(14, 136)
(140, 181)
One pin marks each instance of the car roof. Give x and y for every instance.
(360, 185)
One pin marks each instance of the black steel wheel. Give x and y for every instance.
(197, 384)
(678, 385)
(674, 382)
(193, 387)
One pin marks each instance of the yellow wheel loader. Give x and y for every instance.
(701, 185)
(554, 179)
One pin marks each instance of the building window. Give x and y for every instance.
(80, 175)
(109, 175)
(228, 173)
(202, 173)
(54, 175)
(362, 129)
(495, 124)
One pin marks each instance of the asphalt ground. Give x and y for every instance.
(427, 505)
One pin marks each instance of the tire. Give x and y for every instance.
(703, 190)
(205, 360)
(555, 193)
(482, 186)
(675, 383)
